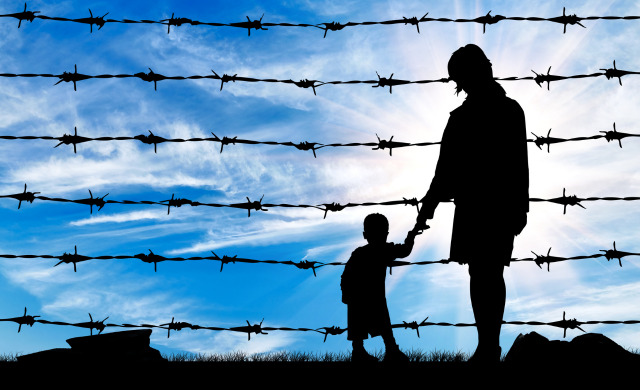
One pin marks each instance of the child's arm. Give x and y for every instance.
(404, 250)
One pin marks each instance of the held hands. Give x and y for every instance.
(426, 212)
(421, 224)
(417, 230)
(421, 221)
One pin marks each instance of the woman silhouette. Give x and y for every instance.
(483, 167)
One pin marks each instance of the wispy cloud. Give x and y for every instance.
(119, 218)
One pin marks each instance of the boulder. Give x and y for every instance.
(127, 346)
(590, 348)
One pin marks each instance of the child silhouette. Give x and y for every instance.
(363, 289)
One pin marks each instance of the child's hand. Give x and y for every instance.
(416, 231)
(418, 228)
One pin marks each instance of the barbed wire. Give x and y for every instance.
(381, 144)
(258, 24)
(539, 78)
(258, 328)
(257, 205)
(152, 258)
(152, 139)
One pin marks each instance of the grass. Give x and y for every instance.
(9, 357)
(415, 355)
(301, 357)
(292, 357)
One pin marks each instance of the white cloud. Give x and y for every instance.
(119, 218)
(208, 342)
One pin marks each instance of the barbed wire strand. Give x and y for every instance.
(258, 328)
(152, 258)
(152, 139)
(257, 205)
(258, 24)
(382, 144)
(539, 78)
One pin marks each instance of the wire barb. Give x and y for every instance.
(224, 141)
(415, 21)
(541, 141)
(567, 324)
(307, 146)
(73, 258)
(224, 260)
(614, 253)
(151, 258)
(614, 135)
(546, 259)
(332, 207)
(177, 326)
(567, 19)
(257, 329)
(306, 83)
(331, 330)
(414, 325)
(546, 78)
(306, 264)
(226, 78)
(178, 202)
(150, 139)
(91, 325)
(571, 200)
(333, 26)
(22, 196)
(24, 15)
(488, 19)
(249, 24)
(72, 77)
(384, 144)
(175, 22)
(91, 201)
(23, 320)
(615, 72)
(249, 205)
(388, 82)
(98, 21)
(72, 139)
(151, 76)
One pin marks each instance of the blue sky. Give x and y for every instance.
(128, 291)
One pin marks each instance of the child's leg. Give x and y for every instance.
(389, 340)
(360, 354)
(358, 345)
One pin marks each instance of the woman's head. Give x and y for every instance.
(470, 68)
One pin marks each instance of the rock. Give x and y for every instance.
(126, 346)
(589, 348)
(129, 340)
(50, 355)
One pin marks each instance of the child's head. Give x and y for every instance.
(376, 228)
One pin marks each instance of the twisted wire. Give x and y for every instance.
(381, 144)
(258, 24)
(257, 205)
(258, 328)
(152, 258)
(539, 78)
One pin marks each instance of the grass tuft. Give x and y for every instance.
(301, 357)
(9, 357)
